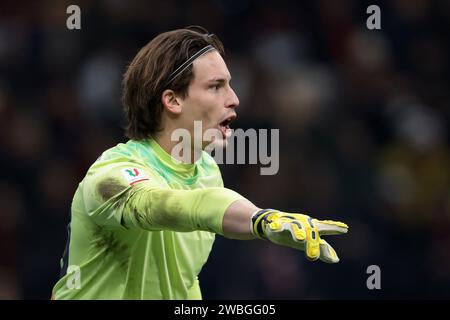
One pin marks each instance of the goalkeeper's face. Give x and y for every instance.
(211, 100)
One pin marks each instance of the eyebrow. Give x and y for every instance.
(219, 79)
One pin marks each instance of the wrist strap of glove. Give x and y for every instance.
(259, 218)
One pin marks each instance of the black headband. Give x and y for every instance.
(188, 62)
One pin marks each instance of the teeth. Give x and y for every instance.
(227, 121)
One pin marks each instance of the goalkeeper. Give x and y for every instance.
(143, 224)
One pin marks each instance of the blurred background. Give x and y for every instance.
(364, 135)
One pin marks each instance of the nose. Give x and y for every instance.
(233, 100)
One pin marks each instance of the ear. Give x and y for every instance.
(171, 101)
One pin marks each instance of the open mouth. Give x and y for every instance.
(225, 126)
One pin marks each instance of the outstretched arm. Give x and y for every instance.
(111, 202)
(225, 212)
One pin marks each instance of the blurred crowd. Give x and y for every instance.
(364, 135)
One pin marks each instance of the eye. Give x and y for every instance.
(216, 86)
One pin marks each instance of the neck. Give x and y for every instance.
(177, 149)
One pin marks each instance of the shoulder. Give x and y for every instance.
(116, 172)
(124, 164)
(129, 150)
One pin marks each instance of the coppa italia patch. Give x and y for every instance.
(134, 175)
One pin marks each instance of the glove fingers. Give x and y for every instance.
(330, 227)
(312, 241)
(285, 234)
(306, 232)
(298, 231)
(295, 228)
(327, 253)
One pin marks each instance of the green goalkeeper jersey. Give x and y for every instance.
(142, 225)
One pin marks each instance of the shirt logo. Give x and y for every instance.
(134, 175)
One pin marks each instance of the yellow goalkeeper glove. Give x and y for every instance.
(298, 231)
